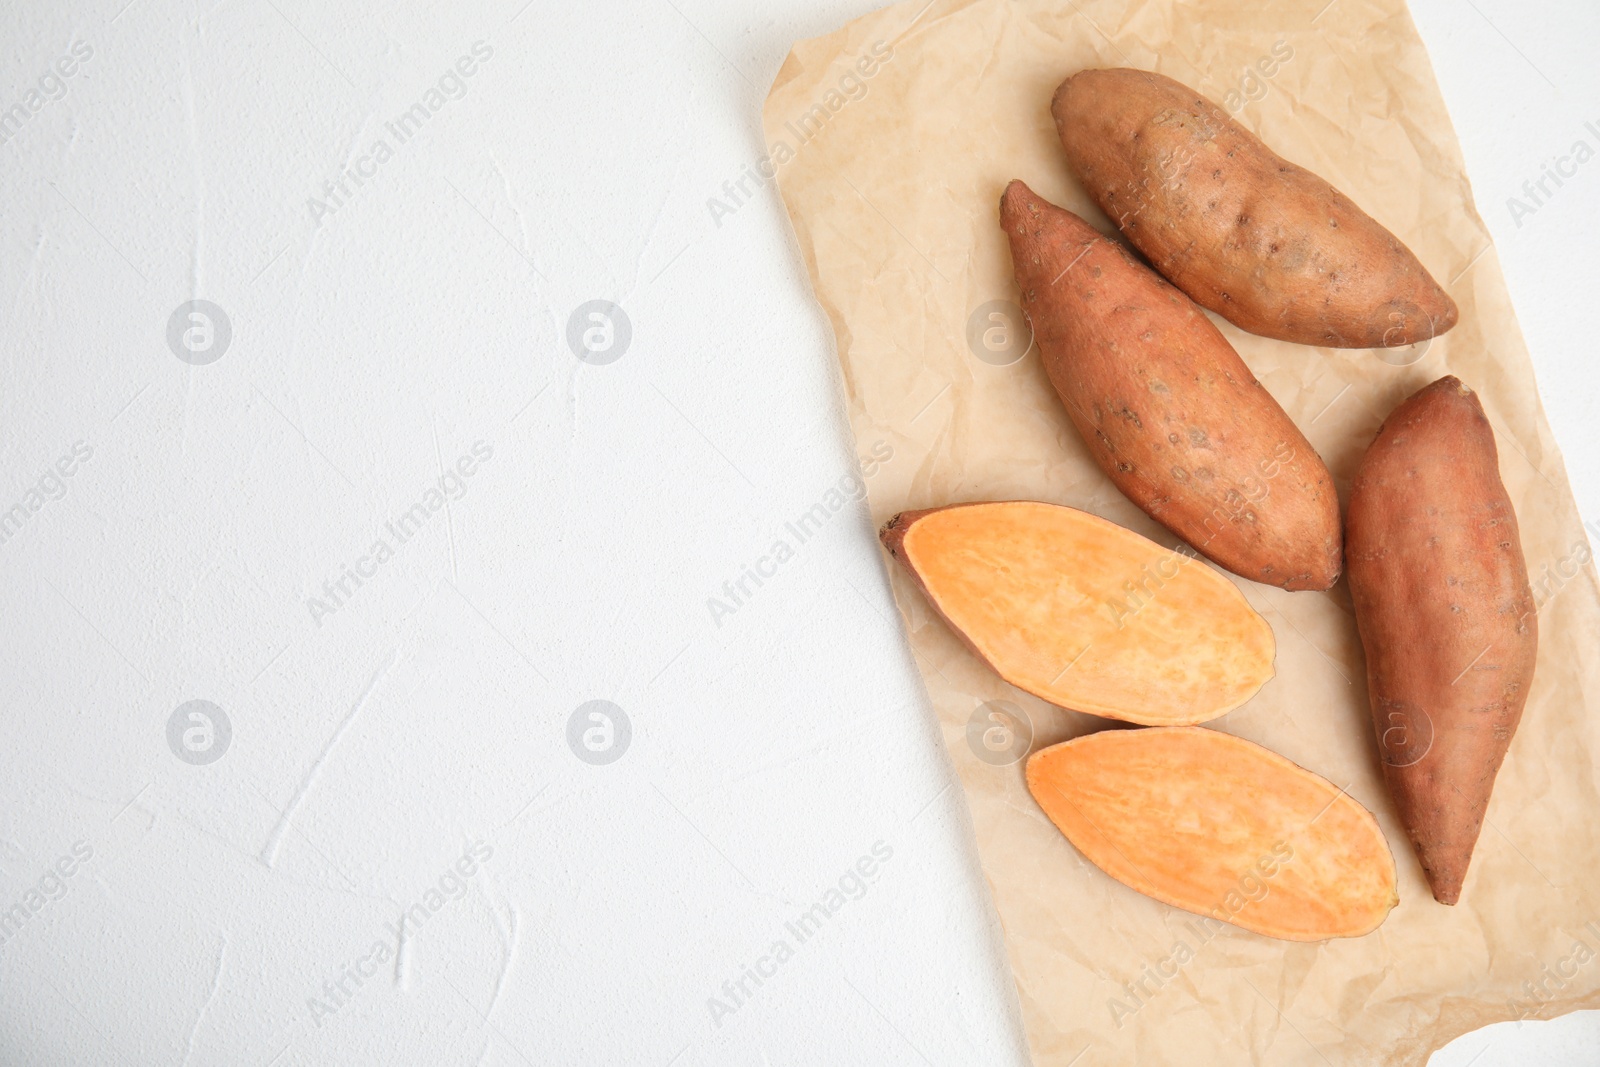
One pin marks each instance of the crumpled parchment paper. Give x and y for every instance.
(891, 141)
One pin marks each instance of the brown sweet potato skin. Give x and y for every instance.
(1268, 245)
(1166, 406)
(1447, 619)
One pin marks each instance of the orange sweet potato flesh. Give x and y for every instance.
(1221, 827)
(1447, 619)
(1268, 245)
(1085, 614)
(1166, 406)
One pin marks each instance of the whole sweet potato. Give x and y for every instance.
(1269, 246)
(1168, 409)
(1448, 622)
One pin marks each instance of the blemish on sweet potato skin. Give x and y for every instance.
(1446, 616)
(1167, 408)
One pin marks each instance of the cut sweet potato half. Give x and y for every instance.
(1221, 827)
(1085, 614)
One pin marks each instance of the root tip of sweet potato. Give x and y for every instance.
(1451, 316)
(1062, 91)
(1445, 884)
(892, 534)
(1016, 192)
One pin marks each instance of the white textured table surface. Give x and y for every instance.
(391, 530)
